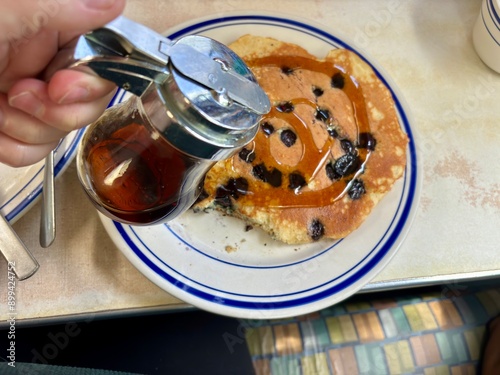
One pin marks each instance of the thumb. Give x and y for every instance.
(29, 17)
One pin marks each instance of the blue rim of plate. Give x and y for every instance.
(401, 219)
(60, 166)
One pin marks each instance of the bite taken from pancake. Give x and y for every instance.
(328, 151)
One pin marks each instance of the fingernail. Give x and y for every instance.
(76, 94)
(28, 102)
(99, 4)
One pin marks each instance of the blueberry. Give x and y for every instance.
(333, 133)
(317, 91)
(272, 177)
(235, 187)
(366, 140)
(275, 178)
(338, 81)
(260, 172)
(267, 128)
(285, 107)
(316, 230)
(347, 146)
(357, 189)
(330, 172)
(296, 181)
(346, 164)
(288, 137)
(246, 155)
(238, 186)
(322, 114)
(222, 197)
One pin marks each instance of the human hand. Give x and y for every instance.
(35, 114)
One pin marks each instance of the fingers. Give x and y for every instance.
(69, 86)
(28, 59)
(20, 154)
(35, 114)
(27, 17)
(25, 128)
(61, 104)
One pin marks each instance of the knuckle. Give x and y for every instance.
(15, 159)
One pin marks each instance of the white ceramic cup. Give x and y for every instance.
(486, 34)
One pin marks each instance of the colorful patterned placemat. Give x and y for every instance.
(432, 333)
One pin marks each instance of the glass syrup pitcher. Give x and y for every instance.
(194, 102)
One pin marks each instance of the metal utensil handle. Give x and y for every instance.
(125, 37)
(48, 216)
(15, 252)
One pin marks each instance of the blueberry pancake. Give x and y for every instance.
(328, 151)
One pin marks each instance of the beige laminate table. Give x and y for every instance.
(426, 47)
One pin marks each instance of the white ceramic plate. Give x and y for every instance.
(21, 187)
(210, 261)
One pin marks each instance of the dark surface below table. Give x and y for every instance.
(192, 342)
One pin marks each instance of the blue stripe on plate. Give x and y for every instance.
(162, 273)
(264, 305)
(178, 236)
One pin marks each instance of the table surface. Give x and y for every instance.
(427, 49)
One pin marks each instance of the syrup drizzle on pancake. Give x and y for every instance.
(280, 185)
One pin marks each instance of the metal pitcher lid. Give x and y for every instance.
(213, 81)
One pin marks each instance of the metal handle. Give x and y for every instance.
(48, 217)
(133, 56)
(124, 52)
(125, 38)
(112, 59)
(15, 252)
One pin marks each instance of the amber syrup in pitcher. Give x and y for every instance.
(137, 176)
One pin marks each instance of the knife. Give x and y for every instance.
(15, 251)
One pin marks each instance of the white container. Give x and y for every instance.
(486, 34)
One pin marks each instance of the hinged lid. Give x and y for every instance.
(212, 86)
